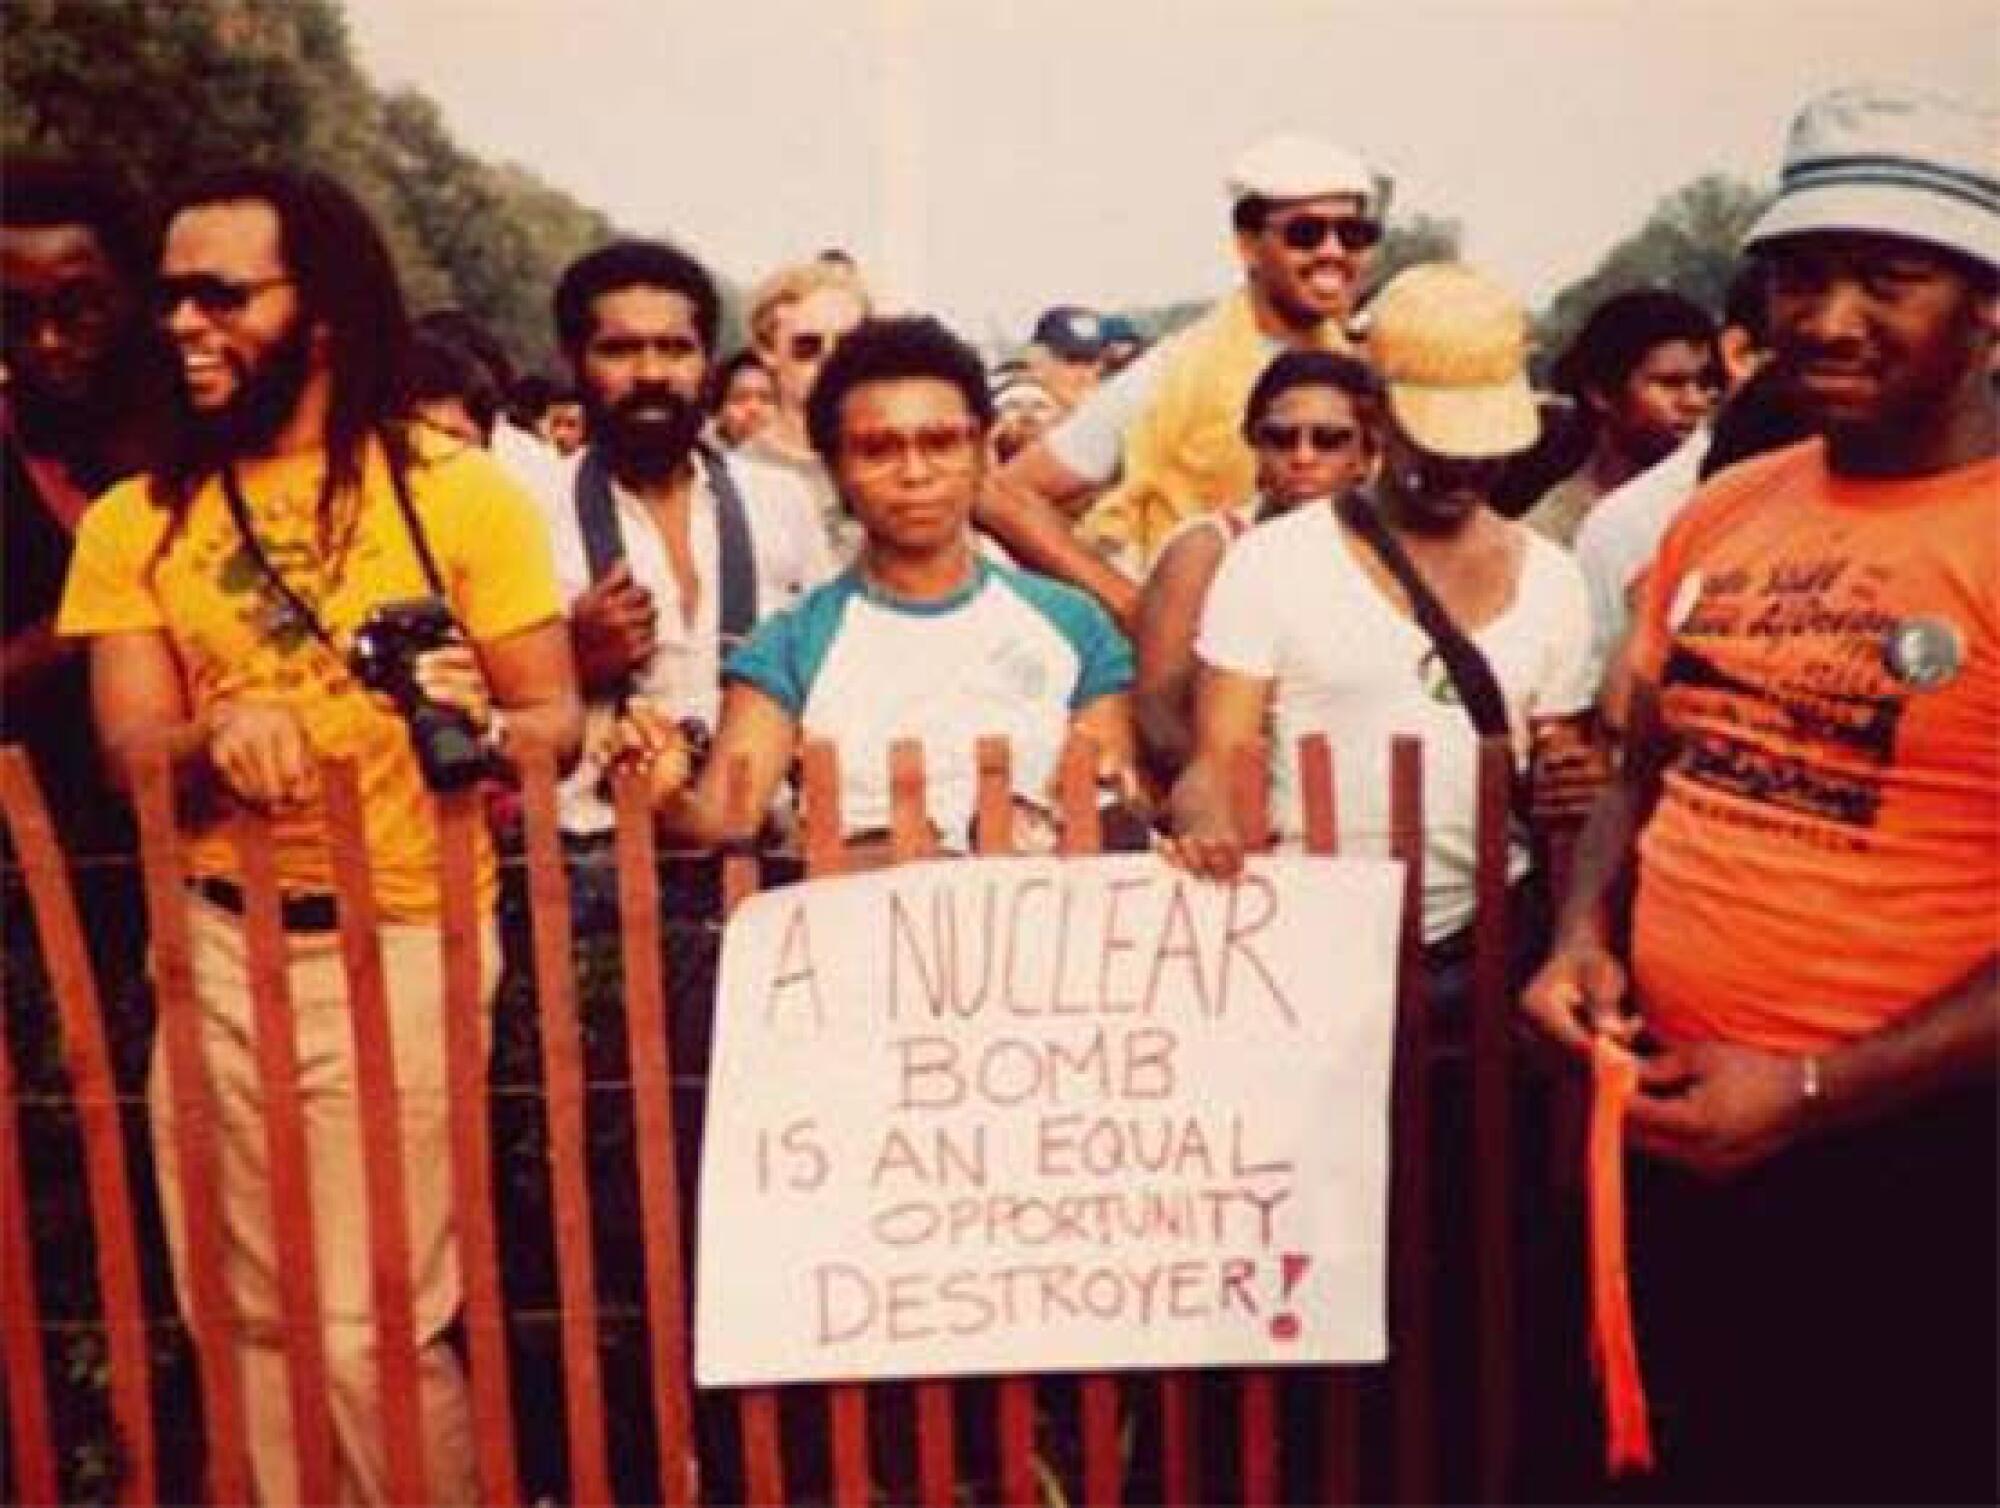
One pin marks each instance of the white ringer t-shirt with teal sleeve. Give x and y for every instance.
(1012, 655)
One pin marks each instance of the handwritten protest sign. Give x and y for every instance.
(1027, 1114)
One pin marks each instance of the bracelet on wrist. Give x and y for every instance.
(493, 737)
(1812, 1085)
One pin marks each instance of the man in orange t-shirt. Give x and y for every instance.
(1809, 807)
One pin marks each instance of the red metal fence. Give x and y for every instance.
(1296, 1435)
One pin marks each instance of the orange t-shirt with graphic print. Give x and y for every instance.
(236, 637)
(1825, 856)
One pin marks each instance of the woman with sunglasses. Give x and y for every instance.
(1410, 609)
(1311, 422)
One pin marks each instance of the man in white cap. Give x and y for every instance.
(1167, 430)
(1808, 804)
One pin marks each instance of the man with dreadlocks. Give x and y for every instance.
(221, 595)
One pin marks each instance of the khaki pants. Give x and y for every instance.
(412, 959)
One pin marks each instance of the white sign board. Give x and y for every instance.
(1003, 1115)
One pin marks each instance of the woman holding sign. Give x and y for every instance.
(1412, 610)
(921, 638)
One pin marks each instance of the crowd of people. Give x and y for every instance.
(241, 480)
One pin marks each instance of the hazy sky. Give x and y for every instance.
(985, 157)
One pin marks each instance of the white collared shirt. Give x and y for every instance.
(791, 556)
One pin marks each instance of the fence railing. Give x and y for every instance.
(1308, 1433)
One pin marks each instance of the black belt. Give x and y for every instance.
(300, 913)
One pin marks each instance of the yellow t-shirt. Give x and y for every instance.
(236, 637)
(1185, 453)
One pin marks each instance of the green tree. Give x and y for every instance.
(153, 92)
(159, 91)
(1689, 244)
(460, 219)
(1410, 243)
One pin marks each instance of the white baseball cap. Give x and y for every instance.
(1892, 160)
(1293, 166)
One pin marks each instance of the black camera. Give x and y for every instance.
(384, 658)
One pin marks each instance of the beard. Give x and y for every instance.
(267, 394)
(639, 445)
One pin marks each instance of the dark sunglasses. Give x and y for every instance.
(209, 292)
(1310, 232)
(811, 346)
(1325, 438)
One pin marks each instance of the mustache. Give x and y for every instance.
(653, 396)
(267, 393)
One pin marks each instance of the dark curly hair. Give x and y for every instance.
(1619, 333)
(632, 264)
(891, 350)
(1292, 369)
(44, 191)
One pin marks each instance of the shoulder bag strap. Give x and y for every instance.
(736, 563)
(1478, 688)
(239, 513)
(597, 515)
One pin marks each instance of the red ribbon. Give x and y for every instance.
(1628, 1429)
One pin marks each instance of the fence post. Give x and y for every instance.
(826, 854)
(380, 1096)
(655, 1132)
(1492, 1150)
(562, 1068)
(1340, 1433)
(1082, 834)
(910, 838)
(757, 1408)
(211, 1310)
(1412, 1366)
(1257, 1454)
(288, 1156)
(460, 820)
(994, 834)
(94, 1091)
(21, 1317)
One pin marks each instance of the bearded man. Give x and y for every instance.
(667, 553)
(222, 595)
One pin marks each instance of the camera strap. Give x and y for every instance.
(302, 610)
(736, 564)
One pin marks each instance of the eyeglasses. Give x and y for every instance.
(73, 306)
(811, 345)
(1310, 232)
(1328, 439)
(214, 295)
(948, 447)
